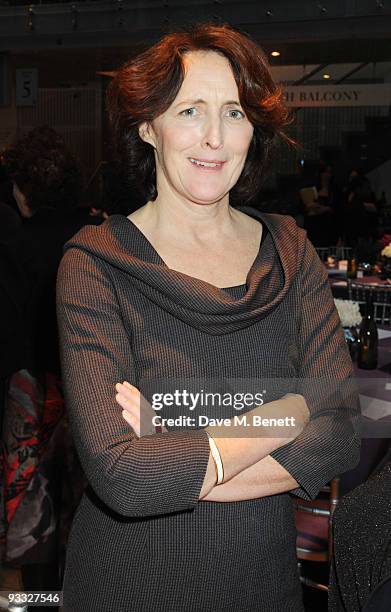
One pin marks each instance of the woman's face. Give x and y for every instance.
(204, 125)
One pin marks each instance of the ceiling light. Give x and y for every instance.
(275, 53)
(326, 76)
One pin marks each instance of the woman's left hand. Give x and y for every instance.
(136, 410)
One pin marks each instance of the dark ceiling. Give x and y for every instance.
(308, 31)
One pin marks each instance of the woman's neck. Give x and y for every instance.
(190, 220)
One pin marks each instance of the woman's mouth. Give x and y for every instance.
(206, 165)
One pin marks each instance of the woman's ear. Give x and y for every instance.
(146, 133)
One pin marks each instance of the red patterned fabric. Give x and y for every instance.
(33, 428)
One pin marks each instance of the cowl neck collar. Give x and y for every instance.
(120, 243)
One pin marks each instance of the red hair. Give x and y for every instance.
(145, 87)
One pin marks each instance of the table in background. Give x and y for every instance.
(339, 284)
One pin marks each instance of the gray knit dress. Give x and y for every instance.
(141, 540)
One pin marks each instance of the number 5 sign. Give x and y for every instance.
(26, 86)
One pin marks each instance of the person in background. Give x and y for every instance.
(10, 220)
(325, 184)
(47, 187)
(118, 195)
(110, 192)
(360, 212)
(318, 220)
(361, 571)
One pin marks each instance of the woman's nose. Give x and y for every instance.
(213, 135)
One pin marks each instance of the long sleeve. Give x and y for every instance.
(330, 443)
(151, 475)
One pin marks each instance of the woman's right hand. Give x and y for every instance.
(136, 411)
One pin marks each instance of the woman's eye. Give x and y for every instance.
(236, 114)
(188, 112)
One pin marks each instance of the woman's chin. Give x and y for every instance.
(200, 196)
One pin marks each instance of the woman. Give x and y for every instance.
(185, 296)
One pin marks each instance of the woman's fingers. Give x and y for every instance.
(129, 386)
(128, 391)
(135, 425)
(129, 399)
(127, 405)
(137, 412)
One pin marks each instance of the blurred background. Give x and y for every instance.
(332, 57)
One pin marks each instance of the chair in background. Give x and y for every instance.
(323, 253)
(341, 252)
(314, 530)
(338, 252)
(381, 298)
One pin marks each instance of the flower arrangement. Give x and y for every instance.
(384, 261)
(349, 312)
(386, 252)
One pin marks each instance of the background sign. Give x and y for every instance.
(26, 86)
(338, 95)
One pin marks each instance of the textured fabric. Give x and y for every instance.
(362, 545)
(141, 539)
(34, 413)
